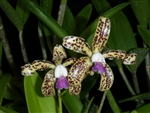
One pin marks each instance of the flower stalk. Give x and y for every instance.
(59, 102)
(41, 39)
(102, 102)
(7, 50)
(23, 49)
(125, 79)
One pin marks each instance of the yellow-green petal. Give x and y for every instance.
(111, 54)
(69, 61)
(75, 90)
(48, 84)
(77, 44)
(40, 65)
(127, 59)
(101, 34)
(58, 54)
(78, 70)
(107, 79)
(130, 59)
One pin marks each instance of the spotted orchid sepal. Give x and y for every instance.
(77, 74)
(57, 76)
(95, 57)
(37, 65)
(48, 84)
(127, 59)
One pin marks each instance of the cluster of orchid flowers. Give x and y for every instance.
(61, 77)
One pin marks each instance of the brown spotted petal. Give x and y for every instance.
(127, 59)
(69, 61)
(58, 54)
(107, 79)
(40, 65)
(111, 54)
(77, 44)
(27, 70)
(75, 90)
(77, 71)
(48, 84)
(130, 59)
(101, 34)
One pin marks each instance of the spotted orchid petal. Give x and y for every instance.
(69, 61)
(75, 90)
(40, 65)
(78, 70)
(107, 79)
(101, 34)
(27, 70)
(58, 54)
(127, 59)
(77, 44)
(48, 84)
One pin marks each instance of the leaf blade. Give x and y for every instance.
(83, 17)
(36, 102)
(45, 18)
(145, 33)
(3, 83)
(92, 27)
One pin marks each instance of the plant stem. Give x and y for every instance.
(136, 83)
(124, 77)
(9, 56)
(60, 18)
(102, 102)
(23, 49)
(147, 63)
(59, 102)
(41, 39)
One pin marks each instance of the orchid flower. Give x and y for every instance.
(95, 58)
(58, 72)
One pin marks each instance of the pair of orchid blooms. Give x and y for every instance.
(60, 77)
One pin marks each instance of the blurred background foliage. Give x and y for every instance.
(130, 32)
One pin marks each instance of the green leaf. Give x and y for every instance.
(69, 23)
(83, 17)
(134, 111)
(144, 109)
(92, 27)
(36, 102)
(72, 103)
(45, 18)
(11, 14)
(47, 5)
(126, 112)
(121, 36)
(112, 102)
(3, 83)
(101, 6)
(6, 110)
(140, 96)
(12, 92)
(90, 39)
(9, 95)
(141, 53)
(145, 33)
(141, 9)
(22, 11)
(1, 47)
(88, 106)
(86, 87)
